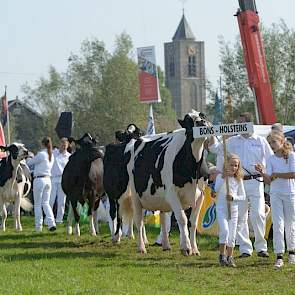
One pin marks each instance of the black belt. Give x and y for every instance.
(252, 176)
(40, 176)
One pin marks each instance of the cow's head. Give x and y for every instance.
(193, 119)
(131, 132)
(16, 150)
(85, 141)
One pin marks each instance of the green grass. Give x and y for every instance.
(49, 263)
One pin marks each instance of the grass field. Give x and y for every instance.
(49, 263)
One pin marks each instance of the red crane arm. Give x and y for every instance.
(254, 56)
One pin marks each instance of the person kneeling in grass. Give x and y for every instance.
(228, 224)
(280, 174)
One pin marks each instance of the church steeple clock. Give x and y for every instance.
(185, 70)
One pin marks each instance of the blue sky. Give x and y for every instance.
(38, 33)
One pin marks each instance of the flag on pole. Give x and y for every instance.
(2, 142)
(217, 110)
(148, 75)
(151, 123)
(4, 110)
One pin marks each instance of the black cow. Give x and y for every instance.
(15, 182)
(116, 178)
(82, 180)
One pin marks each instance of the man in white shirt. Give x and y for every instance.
(61, 158)
(251, 149)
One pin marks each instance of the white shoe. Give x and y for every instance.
(291, 258)
(279, 263)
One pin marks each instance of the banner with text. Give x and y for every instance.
(148, 75)
(223, 129)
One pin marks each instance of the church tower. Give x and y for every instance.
(185, 70)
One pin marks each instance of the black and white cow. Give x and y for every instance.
(116, 179)
(163, 174)
(82, 180)
(15, 182)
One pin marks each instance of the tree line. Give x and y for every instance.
(102, 89)
(279, 43)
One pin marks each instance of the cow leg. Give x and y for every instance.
(194, 218)
(95, 220)
(17, 222)
(4, 216)
(118, 232)
(144, 236)
(91, 223)
(185, 245)
(109, 218)
(70, 220)
(77, 219)
(165, 240)
(138, 219)
(113, 218)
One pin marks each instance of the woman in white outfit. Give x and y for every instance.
(42, 163)
(61, 158)
(280, 174)
(236, 193)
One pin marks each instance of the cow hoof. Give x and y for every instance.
(142, 251)
(115, 240)
(186, 252)
(69, 230)
(167, 249)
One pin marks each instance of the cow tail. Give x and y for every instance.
(26, 204)
(126, 209)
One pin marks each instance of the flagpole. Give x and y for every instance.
(8, 125)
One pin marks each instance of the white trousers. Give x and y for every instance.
(57, 192)
(283, 218)
(227, 228)
(168, 227)
(41, 191)
(254, 197)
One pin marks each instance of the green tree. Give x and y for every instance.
(164, 114)
(47, 98)
(102, 91)
(279, 43)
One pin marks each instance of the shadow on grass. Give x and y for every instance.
(37, 244)
(56, 255)
(20, 236)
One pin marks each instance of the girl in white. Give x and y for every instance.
(42, 163)
(280, 174)
(228, 227)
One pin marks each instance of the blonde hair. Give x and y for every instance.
(286, 148)
(64, 140)
(239, 173)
